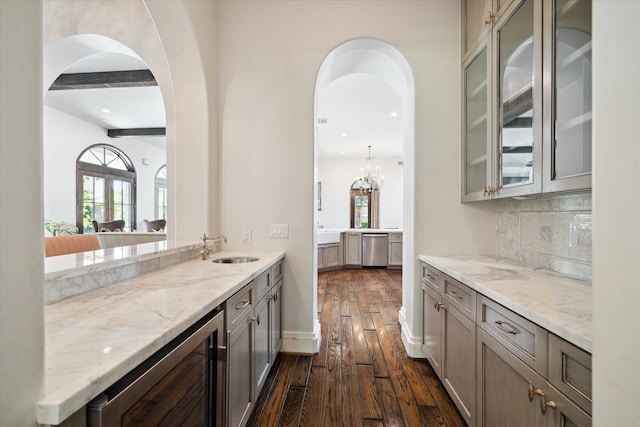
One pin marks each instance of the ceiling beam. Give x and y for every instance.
(104, 80)
(121, 133)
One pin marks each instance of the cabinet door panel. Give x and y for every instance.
(276, 321)
(353, 249)
(477, 152)
(503, 385)
(239, 383)
(432, 328)
(261, 351)
(332, 255)
(517, 115)
(459, 365)
(565, 413)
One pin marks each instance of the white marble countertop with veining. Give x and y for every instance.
(558, 304)
(94, 339)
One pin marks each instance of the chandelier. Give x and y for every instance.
(368, 180)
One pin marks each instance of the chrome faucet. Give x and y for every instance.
(205, 252)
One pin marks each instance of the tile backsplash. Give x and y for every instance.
(549, 232)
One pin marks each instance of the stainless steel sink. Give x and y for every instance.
(235, 260)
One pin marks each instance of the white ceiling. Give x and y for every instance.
(358, 105)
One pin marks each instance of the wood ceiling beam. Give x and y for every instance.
(121, 133)
(104, 80)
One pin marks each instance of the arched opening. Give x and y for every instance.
(100, 92)
(357, 76)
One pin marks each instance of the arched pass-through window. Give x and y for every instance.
(161, 193)
(105, 187)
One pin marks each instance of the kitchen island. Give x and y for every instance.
(93, 339)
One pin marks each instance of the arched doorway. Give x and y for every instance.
(383, 66)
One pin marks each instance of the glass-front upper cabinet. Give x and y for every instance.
(502, 107)
(519, 102)
(568, 121)
(477, 150)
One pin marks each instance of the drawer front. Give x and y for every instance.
(395, 237)
(276, 272)
(431, 277)
(523, 338)
(261, 285)
(570, 371)
(460, 296)
(238, 305)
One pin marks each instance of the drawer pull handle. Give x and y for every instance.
(255, 319)
(438, 306)
(242, 304)
(456, 295)
(513, 330)
(429, 276)
(544, 404)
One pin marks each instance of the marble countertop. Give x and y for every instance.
(558, 304)
(95, 338)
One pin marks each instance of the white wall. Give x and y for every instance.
(270, 54)
(21, 241)
(337, 176)
(616, 212)
(65, 137)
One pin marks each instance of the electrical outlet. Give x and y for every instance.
(246, 236)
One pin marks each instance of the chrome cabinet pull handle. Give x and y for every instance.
(242, 304)
(456, 295)
(512, 331)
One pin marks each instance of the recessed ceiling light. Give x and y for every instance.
(106, 110)
(344, 134)
(394, 114)
(342, 152)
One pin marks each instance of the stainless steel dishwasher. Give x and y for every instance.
(375, 249)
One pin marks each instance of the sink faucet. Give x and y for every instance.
(205, 252)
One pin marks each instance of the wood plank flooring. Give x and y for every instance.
(362, 375)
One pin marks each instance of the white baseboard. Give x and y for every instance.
(412, 343)
(302, 342)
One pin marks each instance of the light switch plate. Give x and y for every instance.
(246, 236)
(279, 231)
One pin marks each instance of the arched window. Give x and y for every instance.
(105, 188)
(161, 193)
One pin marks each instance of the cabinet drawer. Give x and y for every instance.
(261, 285)
(570, 371)
(395, 237)
(277, 272)
(525, 339)
(431, 277)
(461, 296)
(238, 305)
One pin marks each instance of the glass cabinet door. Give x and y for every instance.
(570, 124)
(477, 153)
(516, 113)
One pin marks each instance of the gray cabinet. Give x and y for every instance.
(448, 337)
(498, 367)
(521, 137)
(254, 337)
(240, 390)
(329, 256)
(503, 385)
(395, 250)
(353, 249)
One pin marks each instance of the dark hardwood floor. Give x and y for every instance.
(362, 375)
